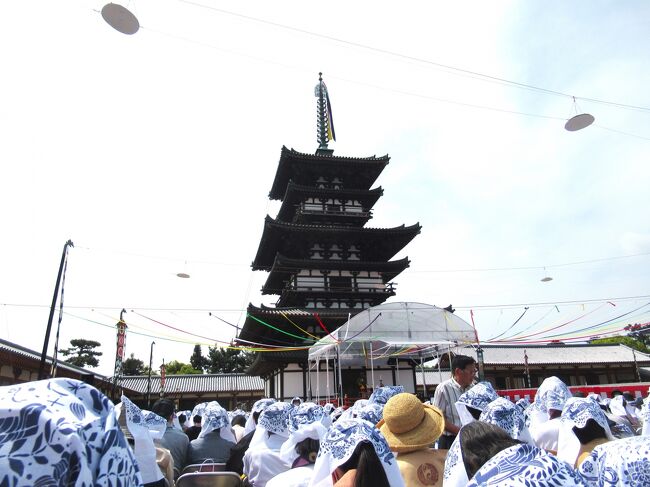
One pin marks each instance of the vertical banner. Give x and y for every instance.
(119, 352)
(162, 379)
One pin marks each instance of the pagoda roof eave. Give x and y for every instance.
(285, 266)
(254, 331)
(373, 165)
(274, 231)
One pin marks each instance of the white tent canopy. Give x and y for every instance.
(404, 330)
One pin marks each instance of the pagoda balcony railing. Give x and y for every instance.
(385, 289)
(333, 212)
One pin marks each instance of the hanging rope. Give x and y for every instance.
(277, 329)
(304, 331)
(560, 325)
(509, 328)
(322, 325)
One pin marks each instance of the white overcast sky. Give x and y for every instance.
(155, 154)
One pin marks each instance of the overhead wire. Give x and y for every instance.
(453, 69)
(412, 94)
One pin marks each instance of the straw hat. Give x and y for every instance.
(410, 425)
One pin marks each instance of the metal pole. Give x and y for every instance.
(41, 368)
(424, 382)
(149, 381)
(338, 360)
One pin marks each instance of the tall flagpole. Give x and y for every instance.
(41, 368)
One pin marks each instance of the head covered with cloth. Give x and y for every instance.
(355, 447)
(62, 432)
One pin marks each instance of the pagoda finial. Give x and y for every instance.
(324, 122)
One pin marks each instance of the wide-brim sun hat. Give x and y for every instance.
(410, 425)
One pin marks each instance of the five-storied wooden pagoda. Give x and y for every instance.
(323, 262)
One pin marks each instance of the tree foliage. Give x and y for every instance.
(625, 340)
(175, 367)
(83, 353)
(227, 361)
(198, 361)
(134, 366)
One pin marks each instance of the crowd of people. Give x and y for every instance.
(64, 432)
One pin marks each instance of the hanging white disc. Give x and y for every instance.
(120, 18)
(579, 122)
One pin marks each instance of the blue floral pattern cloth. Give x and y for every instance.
(580, 410)
(339, 444)
(259, 406)
(381, 395)
(62, 432)
(372, 412)
(506, 415)
(623, 462)
(477, 397)
(275, 418)
(522, 404)
(214, 416)
(526, 466)
(454, 474)
(306, 413)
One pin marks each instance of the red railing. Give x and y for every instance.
(637, 389)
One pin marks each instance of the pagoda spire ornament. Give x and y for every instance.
(324, 122)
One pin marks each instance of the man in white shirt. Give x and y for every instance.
(448, 392)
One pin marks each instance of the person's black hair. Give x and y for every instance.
(591, 431)
(579, 394)
(616, 392)
(370, 472)
(256, 416)
(628, 397)
(476, 413)
(479, 442)
(460, 362)
(197, 419)
(554, 413)
(164, 407)
(307, 449)
(181, 419)
(240, 420)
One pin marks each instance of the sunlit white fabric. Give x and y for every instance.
(144, 450)
(258, 407)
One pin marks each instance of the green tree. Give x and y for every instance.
(197, 360)
(134, 366)
(227, 360)
(83, 353)
(625, 340)
(175, 367)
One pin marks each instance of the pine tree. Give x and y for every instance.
(83, 353)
